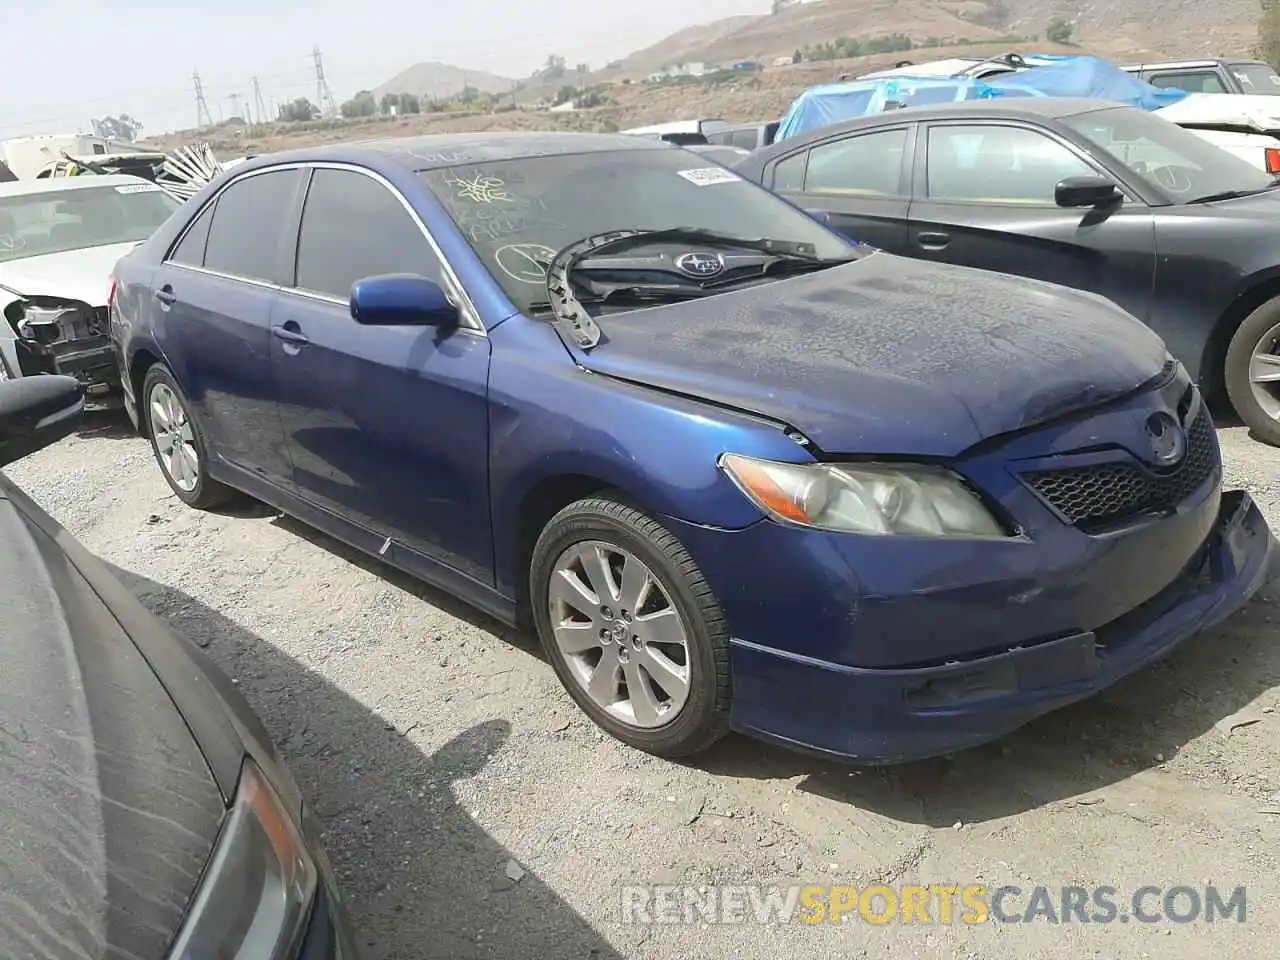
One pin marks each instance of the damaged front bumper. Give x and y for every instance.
(63, 336)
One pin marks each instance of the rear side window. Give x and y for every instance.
(354, 227)
(788, 175)
(869, 164)
(1200, 81)
(190, 249)
(244, 236)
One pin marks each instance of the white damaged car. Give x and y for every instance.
(59, 242)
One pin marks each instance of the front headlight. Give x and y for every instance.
(869, 498)
(256, 894)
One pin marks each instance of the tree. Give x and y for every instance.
(797, 56)
(298, 111)
(1059, 31)
(361, 105)
(123, 127)
(408, 103)
(554, 68)
(566, 95)
(389, 103)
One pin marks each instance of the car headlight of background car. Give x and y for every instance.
(868, 498)
(255, 896)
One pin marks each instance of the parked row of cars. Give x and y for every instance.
(738, 467)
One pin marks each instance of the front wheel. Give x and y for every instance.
(177, 442)
(1252, 372)
(631, 627)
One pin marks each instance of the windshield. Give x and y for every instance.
(1256, 78)
(55, 221)
(1176, 162)
(516, 212)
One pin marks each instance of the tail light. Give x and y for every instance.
(1273, 159)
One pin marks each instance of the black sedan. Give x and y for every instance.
(143, 812)
(1092, 195)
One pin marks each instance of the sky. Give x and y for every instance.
(64, 65)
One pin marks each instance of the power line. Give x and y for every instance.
(324, 96)
(203, 117)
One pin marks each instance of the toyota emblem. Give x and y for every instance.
(1167, 438)
(700, 264)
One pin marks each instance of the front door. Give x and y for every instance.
(216, 292)
(859, 182)
(985, 198)
(387, 427)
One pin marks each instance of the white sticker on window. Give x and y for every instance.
(706, 176)
(137, 188)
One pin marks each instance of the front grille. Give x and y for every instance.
(1109, 493)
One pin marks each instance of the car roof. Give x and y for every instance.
(447, 149)
(1040, 108)
(22, 188)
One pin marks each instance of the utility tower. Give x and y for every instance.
(260, 108)
(324, 96)
(203, 117)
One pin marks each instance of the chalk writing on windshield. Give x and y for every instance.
(481, 188)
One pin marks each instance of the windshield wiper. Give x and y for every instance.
(1232, 194)
(572, 318)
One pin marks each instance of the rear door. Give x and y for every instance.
(860, 181)
(213, 298)
(985, 198)
(387, 427)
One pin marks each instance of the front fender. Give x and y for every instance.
(550, 419)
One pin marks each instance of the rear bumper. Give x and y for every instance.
(887, 715)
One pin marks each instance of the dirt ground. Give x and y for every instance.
(473, 813)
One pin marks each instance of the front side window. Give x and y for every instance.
(518, 213)
(354, 227)
(990, 163)
(1174, 161)
(57, 221)
(248, 221)
(1199, 81)
(869, 164)
(190, 249)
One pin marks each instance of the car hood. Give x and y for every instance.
(888, 355)
(83, 275)
(108, 811)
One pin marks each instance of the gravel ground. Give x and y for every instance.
(473, 813)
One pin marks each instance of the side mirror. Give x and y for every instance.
(37, 411)
(401, 300)
(1088, 191)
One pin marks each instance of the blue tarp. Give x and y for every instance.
(1062, 76)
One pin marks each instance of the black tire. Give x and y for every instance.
(704, 717)
(207, 492)
(1261, 424)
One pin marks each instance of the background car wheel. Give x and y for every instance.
(631, 627)
(1253, 372)
(178, 443)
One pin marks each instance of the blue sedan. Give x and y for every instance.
(736, 470)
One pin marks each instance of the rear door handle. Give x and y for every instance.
(166, 295)
(934, 241)
(290, 333)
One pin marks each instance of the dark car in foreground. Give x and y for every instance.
(1093, 195)
(735, 469)
(144, 812)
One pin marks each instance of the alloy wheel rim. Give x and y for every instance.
(623, 640)
(174, 438)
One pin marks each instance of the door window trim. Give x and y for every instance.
(468, 314)
(920, 178)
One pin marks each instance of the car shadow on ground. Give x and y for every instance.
(106, 423)
(422, 879)
(1087, 746)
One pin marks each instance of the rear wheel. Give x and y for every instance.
(632, 628)
(177, 442)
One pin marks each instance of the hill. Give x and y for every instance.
(440, 81)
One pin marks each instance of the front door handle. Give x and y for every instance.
(290, 333)
(934, 241)
(166, 296)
